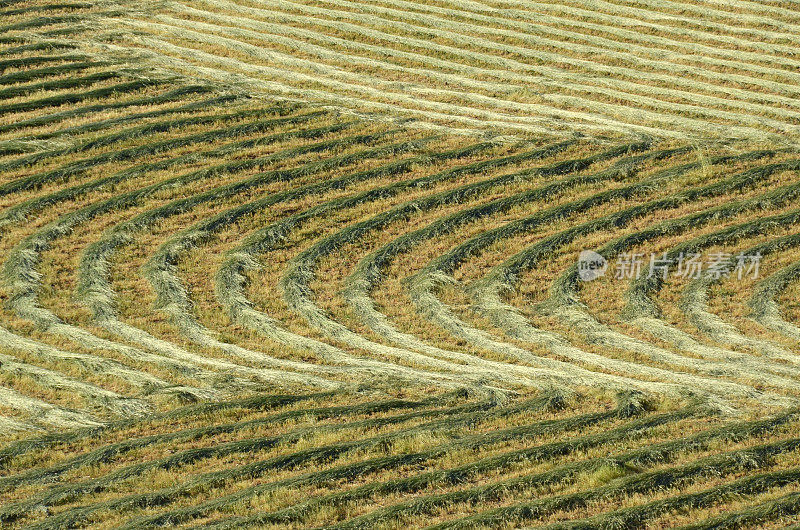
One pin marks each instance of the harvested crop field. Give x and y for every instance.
(399, 264)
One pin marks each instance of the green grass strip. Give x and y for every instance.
(173, 95)
(785, 506)
(462, 474)
(748, 459)
(108, 453)
(327, 453)
(258, 403)
(49, 71)
(461, 415)
(58, 84)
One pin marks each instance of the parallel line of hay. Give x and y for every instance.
(368, 272)
(167, 255)
(259, 78)
(658, 43)
(514, 106)
(395, 513)
(370, 465)
(787, 505)
(474, 413)
(109, 140)
(108, 453)
(170, 96)
(34, 74)
(742, 460)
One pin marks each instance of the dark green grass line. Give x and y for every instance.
(142, 131)
(636, 516)
(462, 474)
(461, 415)
(25, 62)
(448, 261)
(77, 97)
(58, 84)
(782, 507)
(381, 463)
(173, 95)
(325, 454)
(20, 210)
(741, 460)
(41, 46)
(255, 404)
(109, 452)
(41, 22)
(70, 132)
(48, 71)
(64, 172)
(66, 6)
(192, 106)
(370, 267)
(657, 453)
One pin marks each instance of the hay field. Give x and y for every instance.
(301, 264)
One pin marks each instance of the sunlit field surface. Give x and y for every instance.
(400, 264)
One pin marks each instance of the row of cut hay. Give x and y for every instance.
(186, 104)
(470, 85)
(172, 95)
(108, 453)
(765, 308)
(368, 273)
(325, 453)
(276, 446)
(422, 285)
(430, 102)
(640, 305)
(562, 292)
(94, 268)
(60, 442)
(561, 476)
(623, 79)
(531, 58)
(70, 66)
(75, 97)
(26, 290)
(458, 442)
(734, 463)
(617, 38)
(490, 466)
(112, 154)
